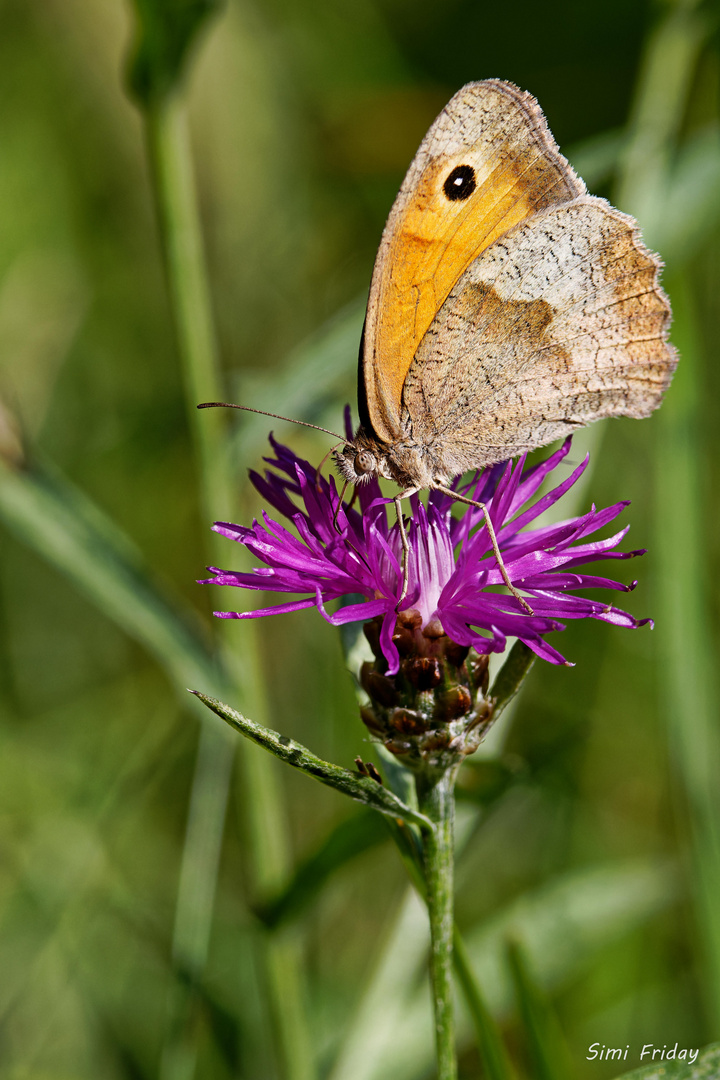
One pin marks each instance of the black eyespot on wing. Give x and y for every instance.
(461, 183)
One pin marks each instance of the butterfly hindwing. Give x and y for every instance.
(558, 323)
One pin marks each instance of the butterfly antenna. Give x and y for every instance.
(318, 471)
(261, 412)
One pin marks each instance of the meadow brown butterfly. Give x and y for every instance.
(507, 306)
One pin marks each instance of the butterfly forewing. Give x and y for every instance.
(488, 163)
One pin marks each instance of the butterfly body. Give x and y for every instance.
(406, 463)
(507, 306)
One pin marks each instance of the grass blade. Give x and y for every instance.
(489, 1041)
(61, 524)
(563, 925)
(691, 700)
(548, 1055)
(382, 1010)
(352, 837)
(689, 665)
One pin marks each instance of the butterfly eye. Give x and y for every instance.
(461, 183)
(365, 462)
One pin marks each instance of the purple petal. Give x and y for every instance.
(336, 549)
(279, 609)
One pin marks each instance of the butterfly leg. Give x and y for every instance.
(339, 503)
(493, 541)
(404, 540)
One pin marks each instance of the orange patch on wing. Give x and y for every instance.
(434, 247)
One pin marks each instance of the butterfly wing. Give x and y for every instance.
(558, 323)
(486, 164)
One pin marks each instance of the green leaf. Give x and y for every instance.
(568, 919)
(166, 30)
(361, 788)
(705, 1067)
(547, 1051)
(345, 842)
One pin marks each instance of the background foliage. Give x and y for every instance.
(589, 824)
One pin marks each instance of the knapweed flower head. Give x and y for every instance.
(354, 554)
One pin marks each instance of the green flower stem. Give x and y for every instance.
(172, 173)
(510, 677)
(436, 800)
(170, 158)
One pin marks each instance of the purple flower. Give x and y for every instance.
(453, 573)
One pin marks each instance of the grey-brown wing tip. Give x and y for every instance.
(535, 119)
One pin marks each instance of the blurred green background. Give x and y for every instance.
(589, 825)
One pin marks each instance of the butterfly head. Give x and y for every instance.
(405, 463)
(362, 459)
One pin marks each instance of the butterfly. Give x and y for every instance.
(507, 306)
